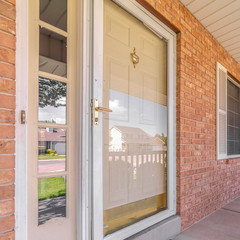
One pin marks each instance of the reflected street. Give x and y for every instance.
(51, 165)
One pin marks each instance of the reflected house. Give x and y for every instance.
(136, 167)
(52, 138)
(133, 140)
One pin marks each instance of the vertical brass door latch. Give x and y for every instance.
(23, 117)
(134, 57)
(95, 109)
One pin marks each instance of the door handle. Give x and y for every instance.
(102, 109)
(99, 109)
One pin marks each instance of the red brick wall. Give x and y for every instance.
(203, 183)
(7, 117)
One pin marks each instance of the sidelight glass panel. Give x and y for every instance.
(52, 101)
(51, 150)
(135, 133)
(52, 53)
(51, 198)
(54, 12)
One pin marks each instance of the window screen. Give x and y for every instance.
(233, 119)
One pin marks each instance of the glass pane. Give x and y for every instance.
(52, 101)
(54, 12)
(52, 53)
(51, 198)
(51, 150)
(233, 113)
(135, 133)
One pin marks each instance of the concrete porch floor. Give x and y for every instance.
(224, 224)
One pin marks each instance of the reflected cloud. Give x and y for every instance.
(116, 107)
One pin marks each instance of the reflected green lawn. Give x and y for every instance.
(51, 187)
(47, 157)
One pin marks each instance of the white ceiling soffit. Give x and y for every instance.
(222, 19)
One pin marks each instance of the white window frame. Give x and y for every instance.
(160, 29)
(220, 67)
(219, 111)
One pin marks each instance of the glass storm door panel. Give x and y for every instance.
(51, 120)
(135, 133)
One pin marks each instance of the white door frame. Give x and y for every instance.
(21, 129)
(97, 193)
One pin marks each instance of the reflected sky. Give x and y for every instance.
(58, 114)
(136, 112)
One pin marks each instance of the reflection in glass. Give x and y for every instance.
(233, 123)
(135, 173)
(135, 133)
(51, 150)
(52, 53)
(52, 101)
(54, 12)
(51, 198)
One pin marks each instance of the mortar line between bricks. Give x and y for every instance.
(7, 231)
(9, 109)
(7, 124)
(8, 215)
(7, 154)
(7, 185)
(7, 139)
(7, 94)
(9, 3)
(7, 169)
(6, 200)
(1, 30)
(6, 78)
(8, 18)
(8, 48)
(11, 64)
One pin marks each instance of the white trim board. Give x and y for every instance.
(21, 129)
(84, 116)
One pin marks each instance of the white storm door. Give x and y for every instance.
(134, 132)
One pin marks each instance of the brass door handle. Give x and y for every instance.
(98, 109)
(102, 109)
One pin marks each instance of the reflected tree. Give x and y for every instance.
(52, 93)
(163, 138)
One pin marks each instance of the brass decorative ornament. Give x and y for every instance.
(134, 57)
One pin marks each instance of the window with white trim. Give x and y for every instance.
(228, 115)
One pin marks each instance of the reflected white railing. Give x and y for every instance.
(132, 177)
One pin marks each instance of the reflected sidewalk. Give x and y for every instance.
(223, 224)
